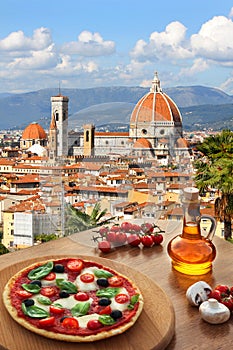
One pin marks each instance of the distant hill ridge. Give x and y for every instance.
(199, 105)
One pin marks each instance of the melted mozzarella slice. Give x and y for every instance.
(117, 306)
(86, 287)
(46, 283)
(70, 302)
(83, 320)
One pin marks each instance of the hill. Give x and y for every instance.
(104, 105)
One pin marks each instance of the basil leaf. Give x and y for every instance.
(41, 271)
(133, 301)
(80, 309)
(44, 300)
(102, 273)
(67, 286)
(32, 288)
(58, 305)
(34, 311)
(107, 292)
(106, 320)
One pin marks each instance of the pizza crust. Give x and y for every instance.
(66, 337)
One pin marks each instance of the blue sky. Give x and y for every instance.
(84, 44)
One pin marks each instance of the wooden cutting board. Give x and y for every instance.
(154, 328)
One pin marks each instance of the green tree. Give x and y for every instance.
(76, 220)
(215, 170)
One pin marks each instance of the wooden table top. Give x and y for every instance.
(191, 332)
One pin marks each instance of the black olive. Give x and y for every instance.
(28, 302)
(115, 314)
(102, 282)
(58, 268)
(104, 302)
(38, 282)
(63, 294)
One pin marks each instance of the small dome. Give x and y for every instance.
(34, 132)
(155, 106)
(37, 149)
(142, 143)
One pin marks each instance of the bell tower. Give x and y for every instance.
(89, 140)
(59, 111)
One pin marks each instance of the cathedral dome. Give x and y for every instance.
(34, 132)
(155, 106)
(142, 143)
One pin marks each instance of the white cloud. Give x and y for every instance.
(17, 41)
(89, 44)
(214, 40)
(170, 44)
(199, 65)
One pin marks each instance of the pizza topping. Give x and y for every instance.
(80, 309)
(106, 320)
(48, 291)
(50, 277)
(23, 294)
(67, 286)
(44, 300)
(59, 268)
(32, 288)
(28, 302)
(41, 271)
(106, 311)
(115, 314)
(121, 298)
(47, 322)
(38, 282)
(55, 309)
(102, 273)
(134, 299)
(104, 302)
(87, 277)
(63, 294)
(70, 322)
(102, 282)
(34, 311)
(81, 296)
(115, 281)
(94, 324)
(107, 292)
(75, 265)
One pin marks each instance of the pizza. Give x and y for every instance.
(73, 299)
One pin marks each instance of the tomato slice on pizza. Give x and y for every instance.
(72, 299)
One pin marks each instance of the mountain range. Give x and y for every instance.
(201, 107)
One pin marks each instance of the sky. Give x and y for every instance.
(93, 43)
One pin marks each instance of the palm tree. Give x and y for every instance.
(215, 170)
(76, 221)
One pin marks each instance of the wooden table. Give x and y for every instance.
(191, 332)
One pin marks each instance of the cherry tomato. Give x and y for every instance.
(51, 276)
(111, 236)
(133, 239)
(121, 238)
(126, 226)
(231, 291)
(228, 302)
(157, 238)
(104, 246)
(48, 291)
(56, 310)
(136, 228)
(46, 322)
(103, 231)
(115, 228)
(87, 277)
(70, 322)
(106, 311)
(94, 324)
(81, 296)
(122, 298)
(115, 281)
(147, 241)
(75, 265)
(24, 294)
(147, 227)
(216, 294)
(225, 291)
